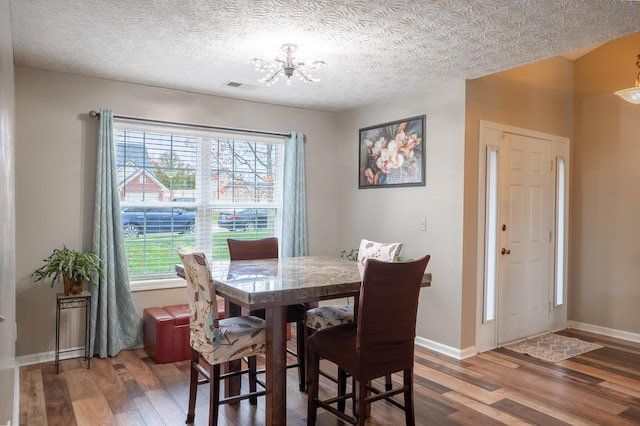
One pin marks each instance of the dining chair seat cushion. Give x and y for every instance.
(239, 337)
(327, 316)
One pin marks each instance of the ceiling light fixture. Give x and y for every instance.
(286, 65)
(633, 94)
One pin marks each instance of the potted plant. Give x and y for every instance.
(76, 268)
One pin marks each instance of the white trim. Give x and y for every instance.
(157, 284)
(16, 399)
(619, 334)
(446, 350)
(49, 356)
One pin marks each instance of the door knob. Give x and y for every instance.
(505, 251)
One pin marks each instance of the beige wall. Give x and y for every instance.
(55, 176)
(535, 97)
(7, 219)
(605, 229)
(393, 214)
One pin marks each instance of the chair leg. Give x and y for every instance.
(313, 379)
(342, 387)
(409, 411)
(193, 386)
(214, 394)
(253, 400)
(387, 382)
(361, 408)
(307, 332)
(301, 343)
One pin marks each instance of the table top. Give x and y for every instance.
(276, 282)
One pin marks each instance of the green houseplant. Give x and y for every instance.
(75, 268)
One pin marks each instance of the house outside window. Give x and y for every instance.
(190, 189)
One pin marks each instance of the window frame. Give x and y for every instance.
(204, 203)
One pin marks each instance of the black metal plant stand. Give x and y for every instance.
(82, 300)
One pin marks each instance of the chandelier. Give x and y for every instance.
(287, 65)
(633, 94)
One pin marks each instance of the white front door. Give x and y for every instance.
(524, 236)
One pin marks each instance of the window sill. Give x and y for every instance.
(157, 284)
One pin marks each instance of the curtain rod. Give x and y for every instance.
(94, 114)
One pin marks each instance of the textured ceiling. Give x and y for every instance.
(375, 48)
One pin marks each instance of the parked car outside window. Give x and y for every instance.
(245, 219)
(136, 221)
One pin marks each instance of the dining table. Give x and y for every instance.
(274, 284)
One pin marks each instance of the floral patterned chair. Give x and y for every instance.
(216, 341)
(328, 316)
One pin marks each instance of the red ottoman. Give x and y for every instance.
(166, 332)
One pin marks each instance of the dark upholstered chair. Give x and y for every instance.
(215, 341)
(322, 317)
(378, 343)
(267, 248)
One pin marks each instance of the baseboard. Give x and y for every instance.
(49, 357)
(619, 334)
(446, 350)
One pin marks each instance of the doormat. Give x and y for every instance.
(552, 347)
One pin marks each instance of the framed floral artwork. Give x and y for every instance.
(392, 154)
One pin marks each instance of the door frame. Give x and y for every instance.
(490, 136)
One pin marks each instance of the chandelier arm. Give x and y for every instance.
(269, 78)
(306, 77)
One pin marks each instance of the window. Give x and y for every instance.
(186, 188)
(491, 229)
(560, 232)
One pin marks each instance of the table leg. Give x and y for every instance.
(232, 385)
(276, 366)
(87, 331)
(57, 335)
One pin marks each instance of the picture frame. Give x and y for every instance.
(392, 154)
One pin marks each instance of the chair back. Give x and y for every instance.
(386, 252)
(266, 248)
(203, 308)
(386, 314)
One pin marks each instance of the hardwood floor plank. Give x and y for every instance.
(149, 414)
(559, 414)
(131, 418)
(36, 409)
(487, 410)
(528, 414)
(139, 370)
(93, 411)
(459, 385)
(107, 377)
(81, 384)
(59, 404)
(166, 407)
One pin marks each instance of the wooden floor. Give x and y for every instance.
(601, 387)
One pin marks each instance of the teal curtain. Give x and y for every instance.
(115, 325)
(294, 210)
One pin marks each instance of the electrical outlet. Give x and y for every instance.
(423, 224)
